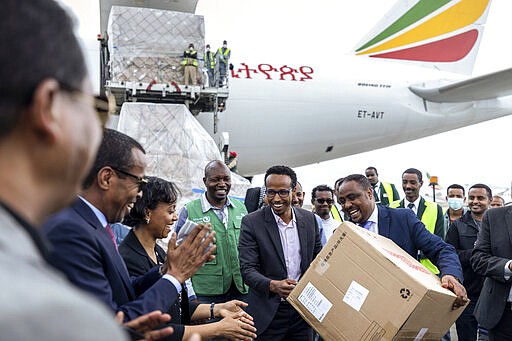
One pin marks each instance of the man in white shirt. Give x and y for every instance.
(322, 201)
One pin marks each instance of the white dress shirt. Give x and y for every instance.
(416, 204)
(329, 225)
(291, 245)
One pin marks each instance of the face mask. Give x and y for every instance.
(191, 48)
(207, 49)
(224, 46)
(455, 203)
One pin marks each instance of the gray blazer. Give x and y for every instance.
(36, 302)
(493, 249)
(262, 258)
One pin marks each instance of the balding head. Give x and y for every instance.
(217, 180)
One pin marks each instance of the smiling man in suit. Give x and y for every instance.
(402, 227)
(276, 246)
(84, 246)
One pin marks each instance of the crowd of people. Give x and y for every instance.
(376, 206)
(66, 180)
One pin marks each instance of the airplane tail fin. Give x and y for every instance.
(442, 34)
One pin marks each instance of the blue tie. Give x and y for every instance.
(368, 225)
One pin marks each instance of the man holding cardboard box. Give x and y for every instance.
(402, 227)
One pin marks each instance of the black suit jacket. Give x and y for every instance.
(493, 249)
(262, 258)
(83, 250)
(135, 257)
(139, 263)
(252, 199)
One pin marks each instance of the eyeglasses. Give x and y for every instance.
(103, 105)
(141, 181)
(283, 193)
(322, 201)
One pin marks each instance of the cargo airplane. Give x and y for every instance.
(320, 104)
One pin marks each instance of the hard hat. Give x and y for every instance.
(233, 154)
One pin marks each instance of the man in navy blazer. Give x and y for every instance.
(84, 246)
(402, 227)
(276, 245)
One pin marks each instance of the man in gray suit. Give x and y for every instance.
(492, 258)
(49, 134)
(276, 245)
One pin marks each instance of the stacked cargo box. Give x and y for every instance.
(147, 45)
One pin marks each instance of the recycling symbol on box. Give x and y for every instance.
(405, 293)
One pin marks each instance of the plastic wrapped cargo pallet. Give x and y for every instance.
(177, 146)
(147, 44)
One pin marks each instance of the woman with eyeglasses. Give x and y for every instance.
(152, 218)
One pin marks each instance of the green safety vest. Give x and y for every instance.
(388, 190)
(429, 219)
(215, 277)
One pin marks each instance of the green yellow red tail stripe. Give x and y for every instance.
(431, 30)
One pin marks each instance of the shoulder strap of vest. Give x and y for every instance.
(388, 190)
(395, 204)
(429, 217)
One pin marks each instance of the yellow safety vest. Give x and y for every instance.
(190, 58)
(225, 54)
(335, 213)
(209, 62)
(388, 190)
(429, 219)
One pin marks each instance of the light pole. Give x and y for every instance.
(433, 182)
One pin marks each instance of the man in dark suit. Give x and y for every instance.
(492, 258)
(402, 227)
(84, 246)
(383, 192)
(276, 246)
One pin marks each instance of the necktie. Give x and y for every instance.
(111, 234)
(184, 307)
(375, 195)
(368, 225)
(411, 206)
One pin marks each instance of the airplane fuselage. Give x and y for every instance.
(325, 113)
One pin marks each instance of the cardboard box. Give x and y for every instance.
(362, 286)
